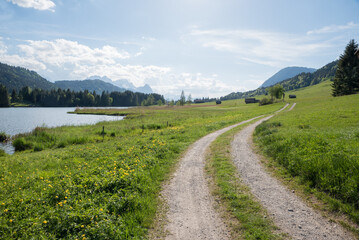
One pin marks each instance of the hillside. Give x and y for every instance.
(286, 73)
(319, 144)
(18, 77)
(299, 81)
(90, 85)
(308, 79)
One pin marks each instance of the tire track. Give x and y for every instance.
(191, 214)
(288, 211)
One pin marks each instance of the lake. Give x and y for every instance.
(20, 120)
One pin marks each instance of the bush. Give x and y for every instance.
(38, 148)
(265, 101)
(20, 144)
(153, 126)
(3, 137)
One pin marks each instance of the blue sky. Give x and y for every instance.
(206, 48)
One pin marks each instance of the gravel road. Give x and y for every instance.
(191, 214)
(290, 214)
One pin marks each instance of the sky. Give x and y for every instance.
(207, 48)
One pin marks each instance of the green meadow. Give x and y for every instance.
(86, 183)
(318, 144)
(83, 183)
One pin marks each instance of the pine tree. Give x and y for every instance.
(346, 80)
(4, 97)
(189, 99)
(182, 100)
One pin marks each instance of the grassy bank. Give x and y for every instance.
(318, 144)
(245, 216)
(76, 182)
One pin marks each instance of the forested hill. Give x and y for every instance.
(91, 85)
(301, 80)
(18, 77)
(286, 73)
(308, 79)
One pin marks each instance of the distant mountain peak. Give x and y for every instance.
(123, 83)
(103, 78)
(286, 73)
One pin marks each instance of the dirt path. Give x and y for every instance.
(290, 214)
(291, 108)
(191, 214)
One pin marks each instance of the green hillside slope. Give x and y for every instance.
(18, 77)
(318, 142)
(91, 85)
(301, 80)
(286, 73)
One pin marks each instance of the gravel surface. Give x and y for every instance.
(191, 214)
(291, 108)
(290, 214)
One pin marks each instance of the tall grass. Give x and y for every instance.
(318, 142)
(84, 184)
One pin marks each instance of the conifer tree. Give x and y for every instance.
(4, 97)
(346, 80)
(182, 100)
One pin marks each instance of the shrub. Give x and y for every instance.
(3, 137)
(2, 153)
(265, 101)
(61, 144)
(38, 148)
(20, 144)
(153, 126)
(77, 140)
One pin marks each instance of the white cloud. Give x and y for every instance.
(16, 60)
(64, 59)
(60, 52)
(36, 4)
(267, 48)
(137, 74)
(3, 48)
(197, 84)
(333, 28)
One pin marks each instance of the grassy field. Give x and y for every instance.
(318, 144)
(78, 183)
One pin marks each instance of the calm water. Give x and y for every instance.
(21, 120)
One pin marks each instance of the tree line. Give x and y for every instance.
(67, 98)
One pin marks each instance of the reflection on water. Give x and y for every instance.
(7, 147)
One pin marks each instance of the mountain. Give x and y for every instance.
(104, 78)
(124, 83)
(286, 73)
(91, 85)
(18, 77)
(308, 79)
(145, 89)
(299, 81)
